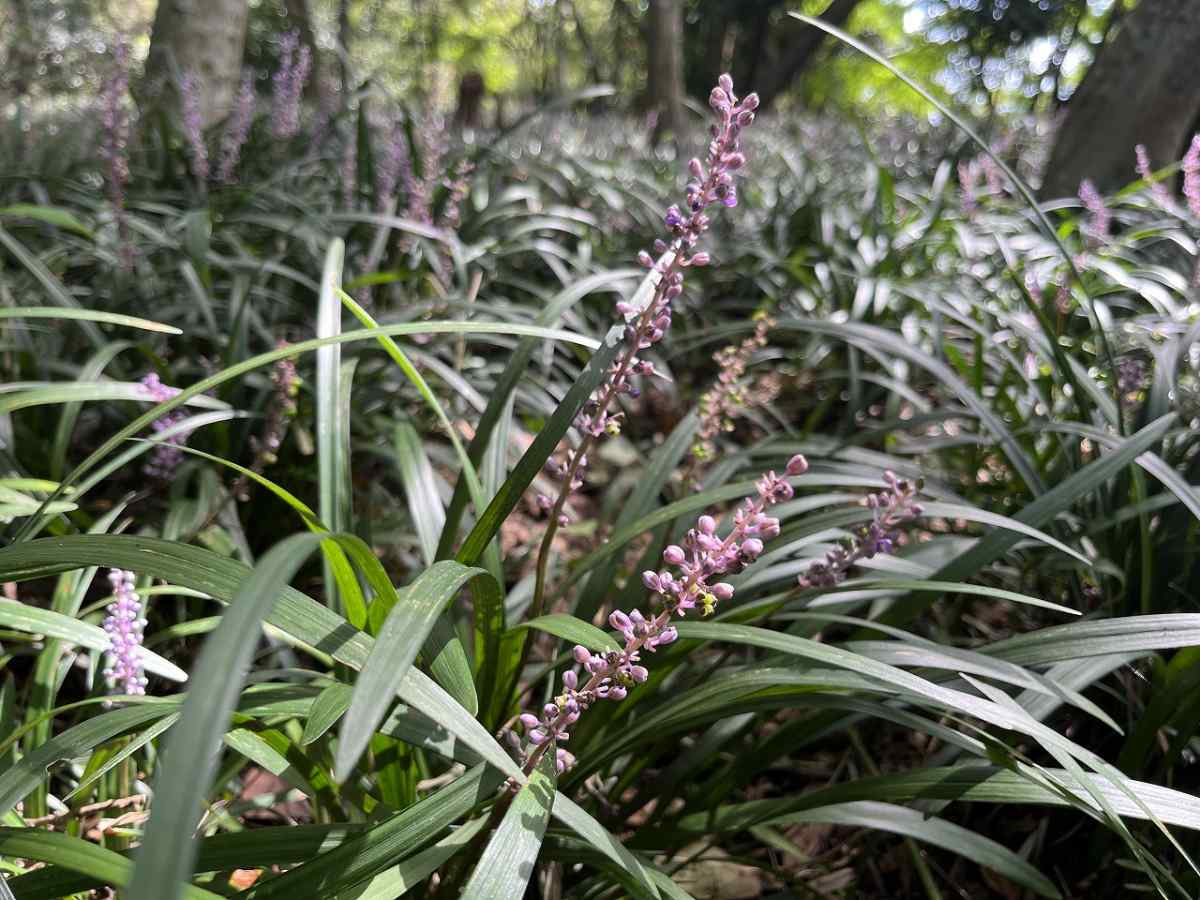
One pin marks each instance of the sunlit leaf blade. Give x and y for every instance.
(79, 856)
(508, 861)
(396, 646)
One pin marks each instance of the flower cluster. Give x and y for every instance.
(728, 396)
(124, 625)
(1145, 171)
(712, 183)
(280, 412)
(294, 64)
(702, 558)
(193, 124)
(891, 509)
(458, 186)
(237, 130)
(1191, 176)
(394, 167)
(1132, 373)
(1099, 217)
(349, 169)
(166, 456)
(115, 123)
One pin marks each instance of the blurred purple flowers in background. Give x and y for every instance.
(193, 126)
(166, 456)
(295, 62)
(1099, 221)
(237, 129)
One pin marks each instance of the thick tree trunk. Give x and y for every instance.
(801, 51)
(1144, 88)
(345, 36)
(664, 50)
(206, 37)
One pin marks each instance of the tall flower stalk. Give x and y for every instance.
(712, 183)
(237, 130)
(193, 125)
(166, 456)
(702, 557)
(1191, 176)
(295, 61)
(1099, 220)
(729, 396)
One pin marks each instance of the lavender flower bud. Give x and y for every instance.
(674, 555)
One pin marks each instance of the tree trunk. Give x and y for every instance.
(664, 48)
(206, 37)
(802, 50)
(345, 35)
(1143, 88)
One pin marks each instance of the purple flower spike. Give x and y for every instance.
(1191, 176)
(166, 456)
(701, 558)
(125, 627)
(294, 64)
(712, 184)
(193, 130)
(891, 509)
(237, 130)
(1099, 217)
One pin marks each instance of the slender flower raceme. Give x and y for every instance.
(712, 184)
(349, 170)
(728, 396)
(125, 627)
(891, 509)
(294, 64)
(280, 412)
(237, 129)
(1145, 171)
(394, 167)
(166, 456)
(1191, 176)
(966, 186)
(193, 124)
(1099, 217)
(458, 186)
(688, 583)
